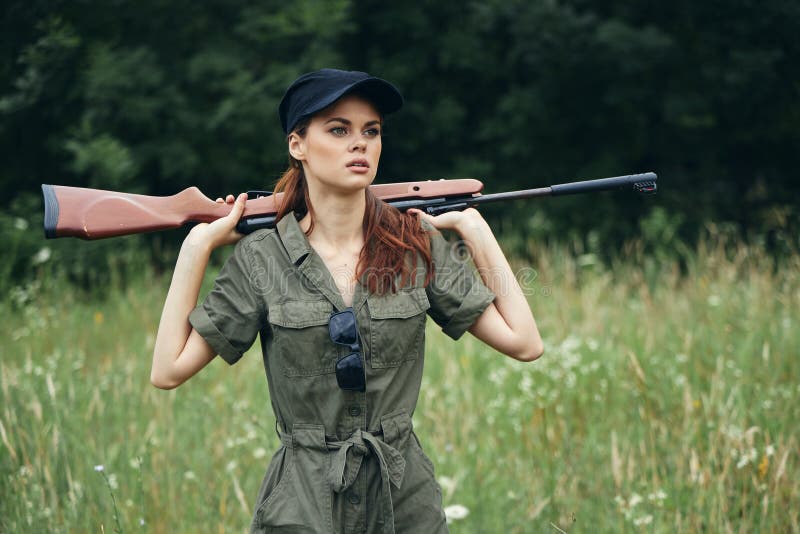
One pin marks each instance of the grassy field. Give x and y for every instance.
(664, 402)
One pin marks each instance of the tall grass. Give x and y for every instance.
(667, 399)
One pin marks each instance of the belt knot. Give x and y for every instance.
(347, 462)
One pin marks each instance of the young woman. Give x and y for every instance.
(339, 292)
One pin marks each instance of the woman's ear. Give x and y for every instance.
(296, 146)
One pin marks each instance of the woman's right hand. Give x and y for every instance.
(223, 230)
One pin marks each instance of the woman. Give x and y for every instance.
(339, 293)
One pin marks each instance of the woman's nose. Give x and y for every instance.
(358, 144)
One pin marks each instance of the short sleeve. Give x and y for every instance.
(229, 318)
(456, 293)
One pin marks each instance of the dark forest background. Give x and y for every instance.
(154, 96)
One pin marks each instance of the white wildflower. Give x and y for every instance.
(714, 300)
(455, 512)
(141, 521)
(497, 376)
(42, 256)
(99, 468)
(112, 481)
(635, 499)
(189, 475)
(259, 453)
(20, 224)
(743, 461)
(526, 384)
(644, 520)
(770, 450)
(570, 344)
(231, 466)
(448, 484)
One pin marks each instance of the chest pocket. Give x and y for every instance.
(301, 341)
(397, 326)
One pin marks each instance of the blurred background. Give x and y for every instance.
(152, 97)
(667, 399)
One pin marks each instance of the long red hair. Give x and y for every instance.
(393, 241)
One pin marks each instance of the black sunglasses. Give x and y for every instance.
(349, 369)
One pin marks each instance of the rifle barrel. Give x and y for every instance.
(646, 181)
(641, 183)
(604, 184)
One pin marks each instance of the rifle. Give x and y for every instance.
(96, 213)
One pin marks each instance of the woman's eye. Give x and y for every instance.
(339, 131)
(372, 132)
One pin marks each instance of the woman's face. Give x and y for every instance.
(342, 145)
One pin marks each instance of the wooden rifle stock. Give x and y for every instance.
(96, 213)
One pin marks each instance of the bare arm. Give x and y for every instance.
(180, 352)
(507, 324)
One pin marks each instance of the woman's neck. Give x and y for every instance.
(338, 220)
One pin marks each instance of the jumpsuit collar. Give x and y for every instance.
(311, 266)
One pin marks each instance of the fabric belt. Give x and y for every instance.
(347, 462)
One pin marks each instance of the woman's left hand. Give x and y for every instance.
(460, 221)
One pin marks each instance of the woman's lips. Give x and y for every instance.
(359, 166)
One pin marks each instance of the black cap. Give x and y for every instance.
(314, 91)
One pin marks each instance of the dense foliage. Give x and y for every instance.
(155, 96)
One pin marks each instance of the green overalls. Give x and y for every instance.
(349, 461)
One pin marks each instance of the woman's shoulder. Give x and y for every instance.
(259, 235)
(260, 244)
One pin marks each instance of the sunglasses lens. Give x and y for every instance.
(342, 327)
(350, 372)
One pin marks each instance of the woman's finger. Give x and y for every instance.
(420, 214)
(238, 206)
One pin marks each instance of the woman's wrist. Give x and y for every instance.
(472, 226)
(195, 245)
